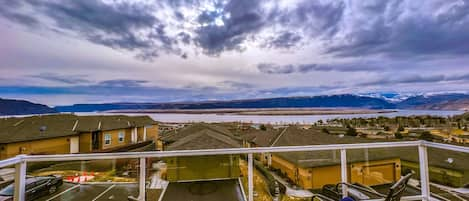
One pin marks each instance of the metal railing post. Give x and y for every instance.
(141, 181)
(250, 178)
(20, 181)
(343, 171)
(424, 176)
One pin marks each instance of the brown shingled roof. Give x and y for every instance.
(60, 125)
(204, 139)
(201, 136)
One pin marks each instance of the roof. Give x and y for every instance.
(177, 134)
(204, 139)
(226, 190)
(201, 136)
(262, 138)
(295, 136)
(61, 125)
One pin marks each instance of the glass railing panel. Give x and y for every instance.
(448, 174)
(301, 175)
(115, 179)
(212, 177)
(373, 172)
(7, 182)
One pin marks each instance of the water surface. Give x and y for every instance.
(276, 119)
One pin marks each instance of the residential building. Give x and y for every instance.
(68, 133)
(202, 171)
(312, 170)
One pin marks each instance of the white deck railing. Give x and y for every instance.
(21, 161)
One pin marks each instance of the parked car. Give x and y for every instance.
(6, 176)
(35, 187)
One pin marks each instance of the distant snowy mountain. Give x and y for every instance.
(391, 96)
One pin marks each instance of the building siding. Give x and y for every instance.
(60, 145)
(114, 139)
(202, 168)
(367, 173)
(85, 142)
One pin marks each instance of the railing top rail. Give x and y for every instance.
(161, 154)
(204, 152)
(450, 147)
(10, 161)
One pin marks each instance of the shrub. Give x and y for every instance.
(398, 135)
(426, 136)
(351, 131)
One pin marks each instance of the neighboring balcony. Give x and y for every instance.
(414, 170)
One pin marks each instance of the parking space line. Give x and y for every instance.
(104, 192)
(61, 193)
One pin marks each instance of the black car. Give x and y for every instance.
(35, 187)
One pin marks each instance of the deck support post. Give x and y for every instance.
(250, 178)
(141, 181)
(20, 181)
(343, 171)
(424, 176)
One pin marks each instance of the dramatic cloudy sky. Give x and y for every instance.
(67, 51)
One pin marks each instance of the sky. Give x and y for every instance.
(61, 52)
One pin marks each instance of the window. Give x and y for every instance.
(121, 136)
(107, 139)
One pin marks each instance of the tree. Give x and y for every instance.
(325, 130)
(351, 131)
(386, 128)
(401, 128)
(262, 127)
(398, 135)
(426, 136)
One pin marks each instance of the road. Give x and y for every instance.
(93, 192)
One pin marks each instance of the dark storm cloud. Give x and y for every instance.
(271, 68)
(418, 79)
(285, 40)
(122, 83)
(8, 11)
(316, 18)
(400, 33)
(240, 18)
(339, 28)
(121, 26)
(77, 79)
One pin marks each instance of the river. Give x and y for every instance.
(274, 119)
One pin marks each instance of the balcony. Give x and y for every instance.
(247, 173)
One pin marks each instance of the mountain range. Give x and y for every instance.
(433, 102)
(369, 101)
(22, 107)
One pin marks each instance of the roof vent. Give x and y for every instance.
(43, 128)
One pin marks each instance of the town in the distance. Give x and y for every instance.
(299, 175)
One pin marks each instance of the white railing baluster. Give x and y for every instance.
(20, 181)
(142, 180)
(343, 171)
(424, 177)
(250, 178)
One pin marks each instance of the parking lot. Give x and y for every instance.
(93, 192)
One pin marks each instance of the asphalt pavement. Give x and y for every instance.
(93, 192)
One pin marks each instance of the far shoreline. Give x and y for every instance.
(260, 111)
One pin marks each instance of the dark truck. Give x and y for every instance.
(35, 187)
